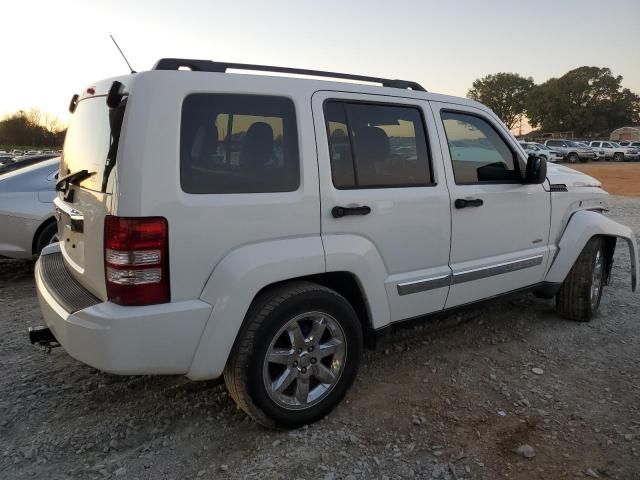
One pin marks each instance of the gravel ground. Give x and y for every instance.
(449, 400)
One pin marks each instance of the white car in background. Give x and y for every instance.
(27, 190)
(541, 151)
(630, 144)
(614, 151)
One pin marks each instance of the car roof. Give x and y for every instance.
(251, 82)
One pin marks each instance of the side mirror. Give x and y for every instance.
(536, 170)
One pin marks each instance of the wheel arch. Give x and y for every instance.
(248, 271)
(36, 236)
(582, 226)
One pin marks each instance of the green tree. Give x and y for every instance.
(584, 100)
(504, 93)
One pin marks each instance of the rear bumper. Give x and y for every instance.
(154, 339)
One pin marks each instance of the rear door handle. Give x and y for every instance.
(464, 202)
(339, 212)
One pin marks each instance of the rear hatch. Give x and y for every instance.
(87, 183)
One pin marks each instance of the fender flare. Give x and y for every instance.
(582, 226)
(242, 273)
(233, 285)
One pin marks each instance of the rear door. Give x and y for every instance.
(383, 196)
(90, 144)
(500, 227)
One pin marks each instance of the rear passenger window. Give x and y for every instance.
(478, 153)
(377, 146)
(238, 144)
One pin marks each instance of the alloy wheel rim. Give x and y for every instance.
(596, 279)
(304, 361)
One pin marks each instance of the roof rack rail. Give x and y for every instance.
(221, 67)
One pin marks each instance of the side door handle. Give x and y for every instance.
(464, 203)
(339, 212)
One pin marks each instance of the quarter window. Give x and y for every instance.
(478, 153)
(377, 146)
(238, 144)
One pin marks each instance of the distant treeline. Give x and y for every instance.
(33, 128)
(588, 101)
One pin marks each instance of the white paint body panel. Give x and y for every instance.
(512, 224)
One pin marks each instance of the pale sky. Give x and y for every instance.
(54, 48)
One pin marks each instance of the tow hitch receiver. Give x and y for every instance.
(42, 336)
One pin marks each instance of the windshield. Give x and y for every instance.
(88, 141)
(542, 146)
(571, 144)
(615, 144)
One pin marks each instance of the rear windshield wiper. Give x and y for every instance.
(73, 178)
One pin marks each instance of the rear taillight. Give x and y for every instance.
(136, 260)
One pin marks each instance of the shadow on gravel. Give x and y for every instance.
(16, 270)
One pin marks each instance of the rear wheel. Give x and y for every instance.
(580, 294)
(49, 234)
(296, 356)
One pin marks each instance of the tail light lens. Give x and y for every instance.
(136, 260)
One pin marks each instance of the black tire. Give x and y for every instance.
(618, 157)
(269, 313)
(574, 299)
(46, 236)
(573, 158)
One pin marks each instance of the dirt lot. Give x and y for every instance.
(451, 400)
(616, 178)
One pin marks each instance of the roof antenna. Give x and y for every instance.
(120, 50)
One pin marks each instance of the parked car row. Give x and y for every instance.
(573, 151)
(17, 153)
(542, 151)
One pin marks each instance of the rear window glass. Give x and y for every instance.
(87, 142)
(238, 144)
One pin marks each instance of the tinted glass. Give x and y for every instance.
(342, 167)
(478, 153)
(386, 145)
(87, 142)
(238, 144)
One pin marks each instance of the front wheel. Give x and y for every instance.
(573, 158)
(579, 297)
(618, 157)
(296, 357)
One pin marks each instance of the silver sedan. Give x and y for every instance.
(26, 208)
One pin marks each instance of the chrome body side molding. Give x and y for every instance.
(470, 275)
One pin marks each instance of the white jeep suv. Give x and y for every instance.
(267, 228)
